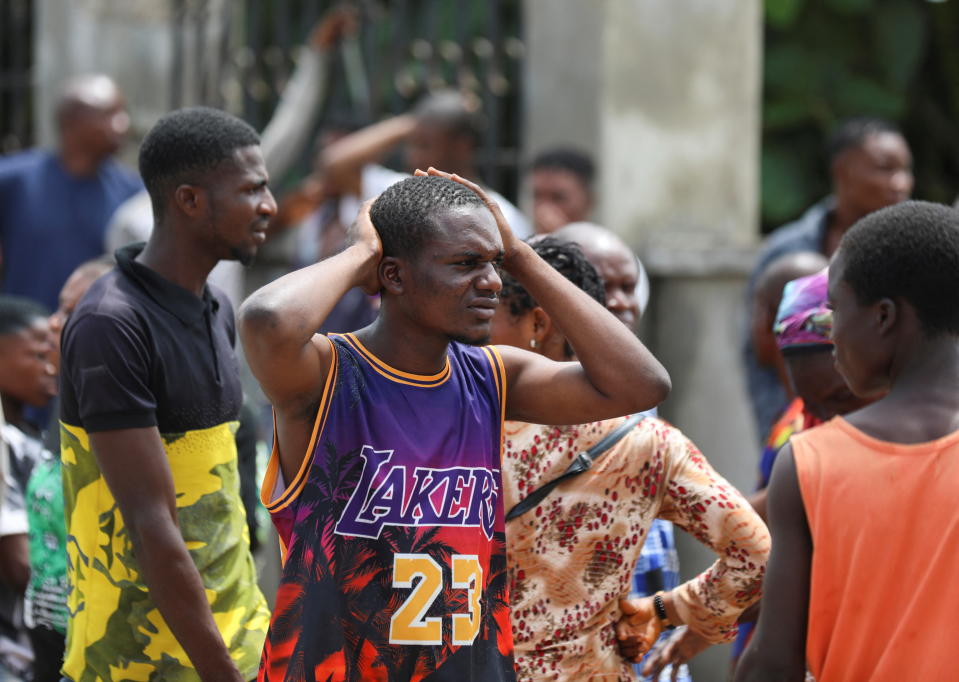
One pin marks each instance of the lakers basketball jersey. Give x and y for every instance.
(392, 531)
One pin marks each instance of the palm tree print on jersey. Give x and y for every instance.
(348, 581)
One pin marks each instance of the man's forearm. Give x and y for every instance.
(176, 588)
(364, 146)
(616, 363)
(289, 129)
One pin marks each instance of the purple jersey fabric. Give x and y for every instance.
(393, 529)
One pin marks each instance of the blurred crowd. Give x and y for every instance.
(71, 216)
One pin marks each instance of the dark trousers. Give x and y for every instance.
(47, 654)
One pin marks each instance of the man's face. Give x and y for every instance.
(453, 283)
(241, 205)
(617, 266)
(559, 198)
(102, 128)
(822, 389)
(26, 372)
(874, 175)
(858, 350)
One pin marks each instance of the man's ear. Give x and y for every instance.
(190, 200)
(887, 315)
(392, 273)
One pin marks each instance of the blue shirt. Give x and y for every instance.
(807, 233)
(51, 221)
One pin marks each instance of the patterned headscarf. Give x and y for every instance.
(803, 318)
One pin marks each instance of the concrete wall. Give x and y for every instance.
(679, 124)
(666, 95)
(561, 63)
(132, 41)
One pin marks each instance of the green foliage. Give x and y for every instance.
(830, 60)
(782, 13)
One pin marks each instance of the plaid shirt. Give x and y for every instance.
(658, 570)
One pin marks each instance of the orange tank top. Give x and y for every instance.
(884, 518)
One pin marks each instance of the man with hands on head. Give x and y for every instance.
(384, 481)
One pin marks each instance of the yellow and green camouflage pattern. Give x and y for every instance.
(115, 631)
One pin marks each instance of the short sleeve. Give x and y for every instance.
(106, 362)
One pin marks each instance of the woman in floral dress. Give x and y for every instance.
(571, 557)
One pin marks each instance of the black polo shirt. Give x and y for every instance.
(141, 351)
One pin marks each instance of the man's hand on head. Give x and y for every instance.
(363, 234)
(511, 243)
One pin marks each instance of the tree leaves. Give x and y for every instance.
(782, 13)
(830, 60)
(899, 37)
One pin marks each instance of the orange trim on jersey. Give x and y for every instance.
(499, 376)
(501, 367)
(294, 488)
(492, 363)
(393, 374)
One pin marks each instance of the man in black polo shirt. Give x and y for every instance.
(162, 581)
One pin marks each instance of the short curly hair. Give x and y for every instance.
(909, 251)
(449, 110)
(187, 142)
(567, 259)
(852, 133)
(567, 159)
(406, 214)
(564, 257)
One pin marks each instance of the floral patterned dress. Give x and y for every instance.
(571, 558)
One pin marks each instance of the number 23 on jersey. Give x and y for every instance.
(410, 625)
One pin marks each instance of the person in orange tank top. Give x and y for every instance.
(860, 584)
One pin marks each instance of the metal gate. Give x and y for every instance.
(16, 73)
(404, 49)
(238, 54)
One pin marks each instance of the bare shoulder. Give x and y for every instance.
(512, 355)
(310, 387)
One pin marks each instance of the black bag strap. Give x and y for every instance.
(582, 462)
